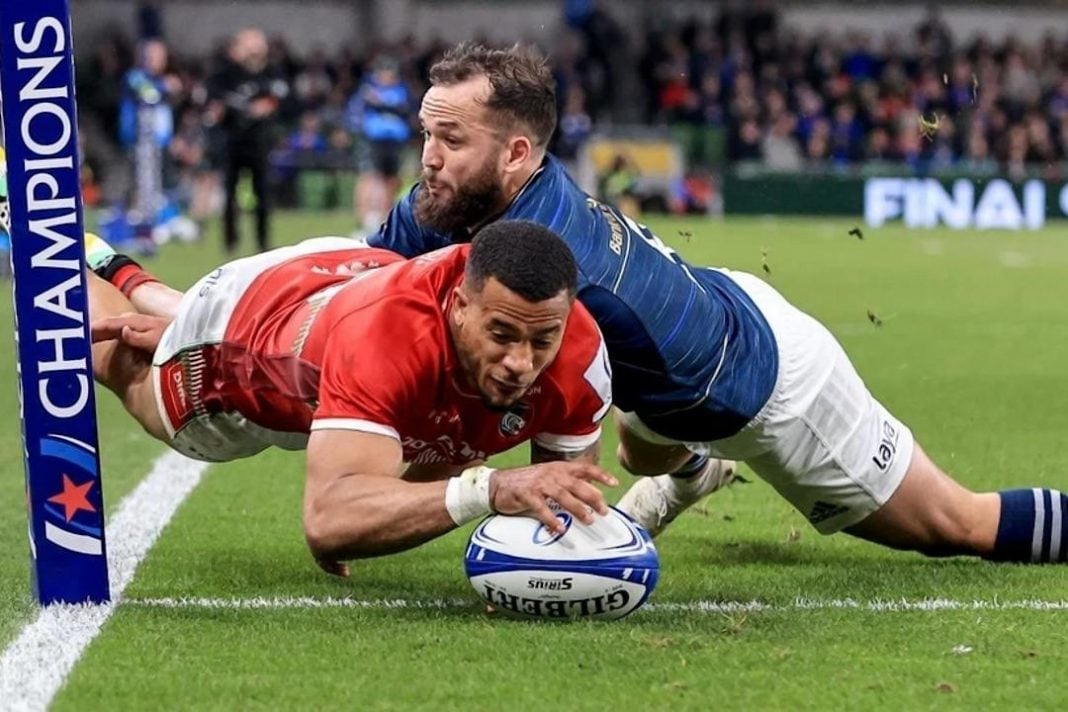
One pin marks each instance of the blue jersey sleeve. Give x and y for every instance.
(401, 232)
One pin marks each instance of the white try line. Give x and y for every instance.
(700, 607)
(35, 665)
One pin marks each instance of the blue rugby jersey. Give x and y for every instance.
(690, 353)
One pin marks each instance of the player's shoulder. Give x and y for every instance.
(549, 194)
(435, 272)
(553, 199)
(389, 339)
(381, 300)
(555, 182)
(401, 301)
(445, 258)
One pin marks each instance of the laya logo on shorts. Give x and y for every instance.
(887, 446)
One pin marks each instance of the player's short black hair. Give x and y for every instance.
(527, 258)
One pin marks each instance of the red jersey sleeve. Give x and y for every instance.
(372, 370)
(583, 378)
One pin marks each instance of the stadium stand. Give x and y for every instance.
(739, 87)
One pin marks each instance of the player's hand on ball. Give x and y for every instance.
(525, 490)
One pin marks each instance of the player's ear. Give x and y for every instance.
(518, 150)
(461, 300)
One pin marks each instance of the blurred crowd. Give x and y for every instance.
(844, 98)
(756, 91)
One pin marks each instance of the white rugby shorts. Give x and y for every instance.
(178, 365)
(821, 440)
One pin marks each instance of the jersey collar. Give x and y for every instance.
(468, 233)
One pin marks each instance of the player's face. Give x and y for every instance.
(463, 158)
(504, 342)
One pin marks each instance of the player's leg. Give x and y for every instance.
(848, 464)
(642, 452)
(369, 195)
(931, 513)
(389, 165)
(657, 499)
(231, 173)
(375, 200)
(201, 206)
(124, 369)
(146, 293)
(260, 168)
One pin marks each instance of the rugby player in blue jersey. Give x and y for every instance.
(709, 365)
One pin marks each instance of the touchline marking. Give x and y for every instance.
(720, 607)
(35, 665)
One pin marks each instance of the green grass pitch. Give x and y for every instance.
(971, 353)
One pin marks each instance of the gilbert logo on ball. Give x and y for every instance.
(605, 570)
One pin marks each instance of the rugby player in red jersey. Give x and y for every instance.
(370, 361)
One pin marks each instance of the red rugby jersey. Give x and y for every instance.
(320, 342)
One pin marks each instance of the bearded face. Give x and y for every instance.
(464, 158)
(446, 206)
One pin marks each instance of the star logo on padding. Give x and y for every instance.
(73, 498)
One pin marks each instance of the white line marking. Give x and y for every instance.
(35, 665)
(800, 604)
(299, 602)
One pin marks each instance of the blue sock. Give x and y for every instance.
(692, 466)
(1033, 527)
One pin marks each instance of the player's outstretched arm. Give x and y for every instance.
(122, 353)
(355, 505)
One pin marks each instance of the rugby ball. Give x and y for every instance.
(604, 570)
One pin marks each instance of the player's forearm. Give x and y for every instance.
(368, 515)
(436, 471)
